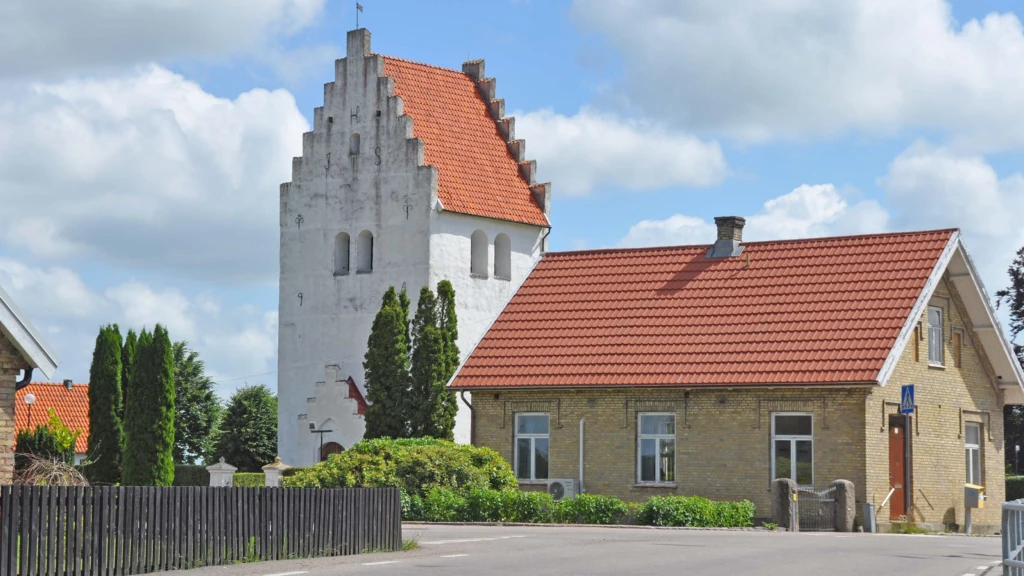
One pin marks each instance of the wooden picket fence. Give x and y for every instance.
(111, 531)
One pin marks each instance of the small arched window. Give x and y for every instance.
(330, 448)
(478, 253)
(341, 246)
(502, 256)
(353, 144)
(365, 247)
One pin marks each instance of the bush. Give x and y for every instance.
(295, 470)
(412, 506)
(190, 475)
(415, 465)
(1014, 487)
(249, 480)
(443, 505)
(695, 512)
(591, 509)
(53, 441)
(508, 506)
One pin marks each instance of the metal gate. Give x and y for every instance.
(817, 509)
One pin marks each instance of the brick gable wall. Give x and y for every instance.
(11, 364)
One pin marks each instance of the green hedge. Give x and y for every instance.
(248, 480)
(591, 509)
(295, 470)
(695, 511)
(187, 475)
(415, 465)
(1014, 487)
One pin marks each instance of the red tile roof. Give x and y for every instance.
(820, 311)
(476, 172)
(71, 405)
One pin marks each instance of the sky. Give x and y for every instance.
(142, 143)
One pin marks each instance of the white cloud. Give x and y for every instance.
(38, 37)
(591, 150)
(142, 306)
(767, 69)
(54, 292)
(806, 212)
(148, 170)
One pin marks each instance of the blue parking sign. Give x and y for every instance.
(907, 399)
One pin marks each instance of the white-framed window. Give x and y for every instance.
(935, 335)
(972, 449)
(478, 253)
(793, 447)
(532, 440)
(656, 448)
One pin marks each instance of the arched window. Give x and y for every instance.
(341, 244)
(502, 256)
(365, 246)
(330, 448)
(478, 253)
(353, 144)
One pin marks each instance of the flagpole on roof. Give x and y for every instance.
(359, 8)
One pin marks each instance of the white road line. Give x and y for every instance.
(471, 540)
(397, 561)
(454, 555)
(967, 574)
(982, 567)
(287, 573)
(996, 562)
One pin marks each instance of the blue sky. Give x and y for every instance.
(141, 144)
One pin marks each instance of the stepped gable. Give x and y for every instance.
(482, 168)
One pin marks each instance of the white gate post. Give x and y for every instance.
(221, 474)
(273, 472)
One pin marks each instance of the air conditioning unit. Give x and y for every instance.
(562, 488)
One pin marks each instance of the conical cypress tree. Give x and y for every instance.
(427, 367)
(148, 456)
(127, 357)
(105, 428)
(386, 366)
(448, 325)
(403, 301)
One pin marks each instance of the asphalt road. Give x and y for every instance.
(540, 550)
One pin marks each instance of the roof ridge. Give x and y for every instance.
(61, 384)
(751, 243)
(406, 60)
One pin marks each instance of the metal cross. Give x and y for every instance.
(299, 220)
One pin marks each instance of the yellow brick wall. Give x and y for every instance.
(945, 397)
(723, 437)
(11, 363)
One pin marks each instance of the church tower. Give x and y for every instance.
(411, 175)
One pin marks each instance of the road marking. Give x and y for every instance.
(996, 562)
(982, 567)
(287, 573)
(397, 561)
(471, 540)
(454, 555)
(967, 574)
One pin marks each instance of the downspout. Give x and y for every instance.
(472, 418)
(582, 422)
(25, 380)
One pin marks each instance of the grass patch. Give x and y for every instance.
(770, 525)
(410, 545)
(908, 528)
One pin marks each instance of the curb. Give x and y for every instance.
(623, 526)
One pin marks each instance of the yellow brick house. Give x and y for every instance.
(712, 370)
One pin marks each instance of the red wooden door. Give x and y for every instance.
(897, 463)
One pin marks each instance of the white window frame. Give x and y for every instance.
(792, 445)
(933, 340)
(640, 437)
(976, 449)
(533, 447)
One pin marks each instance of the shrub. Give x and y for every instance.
(295, 470)
(695, 511)
(412, 506)
(53, 441)
(191, 475)
(591, 509)
(415, 465)
(1014, 487)
(248, 480)
(443, 505)
(508, 506)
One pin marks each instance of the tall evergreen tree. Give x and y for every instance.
(197, 408)
(248, 438)
(148, 454)
(403, 301)
(105, 406)
(127, 358)
(426, 384)
(1013, 298)
(448, 325)
(386, 366)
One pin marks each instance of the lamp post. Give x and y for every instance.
(30, 399)
(1016, 452)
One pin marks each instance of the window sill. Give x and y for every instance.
(505, 278)
(522, 482)
(655, 485)
(937, 366)
(479, 276)
(364, 271)
(336, 274)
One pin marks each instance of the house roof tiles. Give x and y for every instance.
(72, 406)
(819, 311)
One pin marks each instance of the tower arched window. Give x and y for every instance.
(478, 253)
(341, 253)
(353, 144)
(502, 256)
(365, 249)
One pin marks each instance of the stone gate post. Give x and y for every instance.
(784, 504)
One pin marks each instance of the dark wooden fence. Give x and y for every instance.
(106, 531)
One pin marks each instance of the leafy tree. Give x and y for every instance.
(448, 324)
(53, 440)
(197, 408)
(149, 415)
(105, 408)
(1013, 298)
(248, 437)
(127, 358)
(387, 371)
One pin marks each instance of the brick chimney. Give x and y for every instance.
(730, 234)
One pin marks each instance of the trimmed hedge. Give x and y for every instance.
(591, 509)
(695, 511)
(188, 475)
(1014, 487)
(248, 480)
(416, 465)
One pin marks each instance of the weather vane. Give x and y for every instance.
(359, 8)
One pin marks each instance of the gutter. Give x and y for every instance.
(662, 386)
